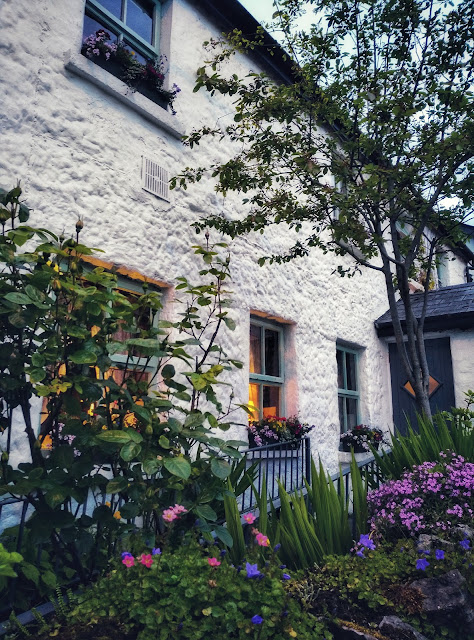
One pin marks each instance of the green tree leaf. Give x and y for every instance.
(178, 467)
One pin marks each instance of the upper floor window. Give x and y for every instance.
(266, 369)
(134, 23)
(347, 387)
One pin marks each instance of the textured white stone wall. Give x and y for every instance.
(462, 354)
(78, 151)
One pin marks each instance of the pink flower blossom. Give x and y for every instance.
(146, 559)
(213, 562)
(262, 540)
(249, 518)
(128, 561)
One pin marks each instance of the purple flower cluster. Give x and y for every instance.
(97, 45)
(434, 496)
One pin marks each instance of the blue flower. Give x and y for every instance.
(277, 547)
(360, 553)
(286, 576)
(283, 566)
(252, 571)
(465, 544)
(365, 541)
(257, 619)
(223, 552)
(156, 551)
(125, 554)
(422, 564)
(439, 554)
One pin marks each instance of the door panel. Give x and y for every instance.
(438, 355)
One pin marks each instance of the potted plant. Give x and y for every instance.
(274, 430)
(120, 61)
(360, 437)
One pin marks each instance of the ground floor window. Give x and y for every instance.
(347, 387)
(266, 377)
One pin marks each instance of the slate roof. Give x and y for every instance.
(448, 308)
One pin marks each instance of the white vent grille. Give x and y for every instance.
(155, 179)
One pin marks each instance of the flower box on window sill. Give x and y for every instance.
(277, 449)
(116, 69)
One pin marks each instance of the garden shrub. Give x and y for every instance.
(434, 497)
(195, 593)
(375, 581)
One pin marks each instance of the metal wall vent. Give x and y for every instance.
(155, 179)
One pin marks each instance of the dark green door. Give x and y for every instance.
(438, 354)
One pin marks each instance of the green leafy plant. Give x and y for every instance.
(196, 593)
(445, 432)
(8, 560)
(131, 445)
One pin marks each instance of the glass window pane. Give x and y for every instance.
(113, 6)
(140, 18)
(91, 26)
(254, 401)
(271, 401)
(137, 56)
(272, 353)
(351, 408)
(341, 413)
(255, 349)
(340, 369)
(351, 371)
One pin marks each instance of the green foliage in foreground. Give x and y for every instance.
(452, 431)
(182, 596)
(8, 561)
(363, 590)
(314, 524)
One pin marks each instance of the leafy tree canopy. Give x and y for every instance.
(368, 152)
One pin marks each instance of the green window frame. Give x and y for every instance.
(120, 27)
(348, 393)
(266, 375)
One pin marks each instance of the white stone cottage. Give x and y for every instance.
(82, 144)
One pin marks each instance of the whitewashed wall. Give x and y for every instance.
(77, 150)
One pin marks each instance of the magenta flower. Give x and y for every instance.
(213, 562)
(249, 518)
(262, 540)
(128, 561)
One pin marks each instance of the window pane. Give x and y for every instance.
(137, 56)
(340, 369)
(351, 408)
(91, 26)
(272, 353)
(255, 349)
(351, 371)
(342, 410)
(113, 6)
(254, 401)
(140, 18)
(271, 401)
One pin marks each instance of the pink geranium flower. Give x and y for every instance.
(128, 561)
(213, 562)
(172, 513)
(249, 518)
(262, 540)
(146, 559)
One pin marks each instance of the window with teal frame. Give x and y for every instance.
(266, 376)
(347, 387)
(136, 23)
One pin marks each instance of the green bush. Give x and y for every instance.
(362, 589)
(182, 596)
(447, 431)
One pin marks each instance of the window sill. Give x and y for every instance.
(81, 66)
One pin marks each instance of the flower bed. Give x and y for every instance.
(433, 497)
